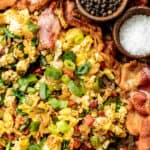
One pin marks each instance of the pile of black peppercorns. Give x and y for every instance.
(100, 7)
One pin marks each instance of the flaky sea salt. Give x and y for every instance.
(135, 35)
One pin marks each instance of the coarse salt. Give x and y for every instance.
(135, 35)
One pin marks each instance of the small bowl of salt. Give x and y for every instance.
(131, 33)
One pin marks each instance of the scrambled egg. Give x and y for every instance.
(46, 96)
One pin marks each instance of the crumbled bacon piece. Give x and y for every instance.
(88, 120)
(87, 146)
(76, 143)
(94, 104)
(101, 113)
(102, 65)
(11, 137)
(38, 71)
(26, 132)
(69, 73)
(1, 147)
(71, 103)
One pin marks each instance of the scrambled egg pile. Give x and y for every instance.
(58, 99)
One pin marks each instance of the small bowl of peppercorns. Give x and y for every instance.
(101, 10)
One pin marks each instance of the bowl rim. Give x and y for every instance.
(103, 19)
(116, 29)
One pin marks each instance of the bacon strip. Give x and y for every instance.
(37, 4)
(138, 118)
(144, 140)
(6, 3)
(145, 79)
(49, 28)
(31, 4)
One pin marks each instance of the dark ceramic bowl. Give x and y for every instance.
(116, 29)
(102, 19)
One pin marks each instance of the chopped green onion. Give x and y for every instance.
(3, 40)
(1, 114)
(53, 129)
(2, 100)
(119, 103)
(57, 104)
(34, 42)
(84, 113)
(8, 146)
(31, 90)
(20, 112)
(32, 27)
(69, 55)
(65, 145)
(65, 79)
(68, 64)
(20, 46)
(9, 34)
(83, 69)
(53, 72)
(115, 100)
(34, 147)
(19, 95)
(101, 83)
(25, 125)
(62, 126)
(34, 126)
(32, 78)
(96, 86)
(78, 91)
(94, 140)
(1, 30)
(43, 90)
(25, 82)
(1, 82)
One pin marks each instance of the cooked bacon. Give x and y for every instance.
(145, 79)
(144, 140)
(110, 48)
(141, 103)
(76, 143)
(6, 3)
(138, 118)
(31, 4)
(130, 74)
(37, 4)
(143, 144)
(49, 28)
(133, 123)
(88, 120)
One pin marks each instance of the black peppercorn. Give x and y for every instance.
(100, 7)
